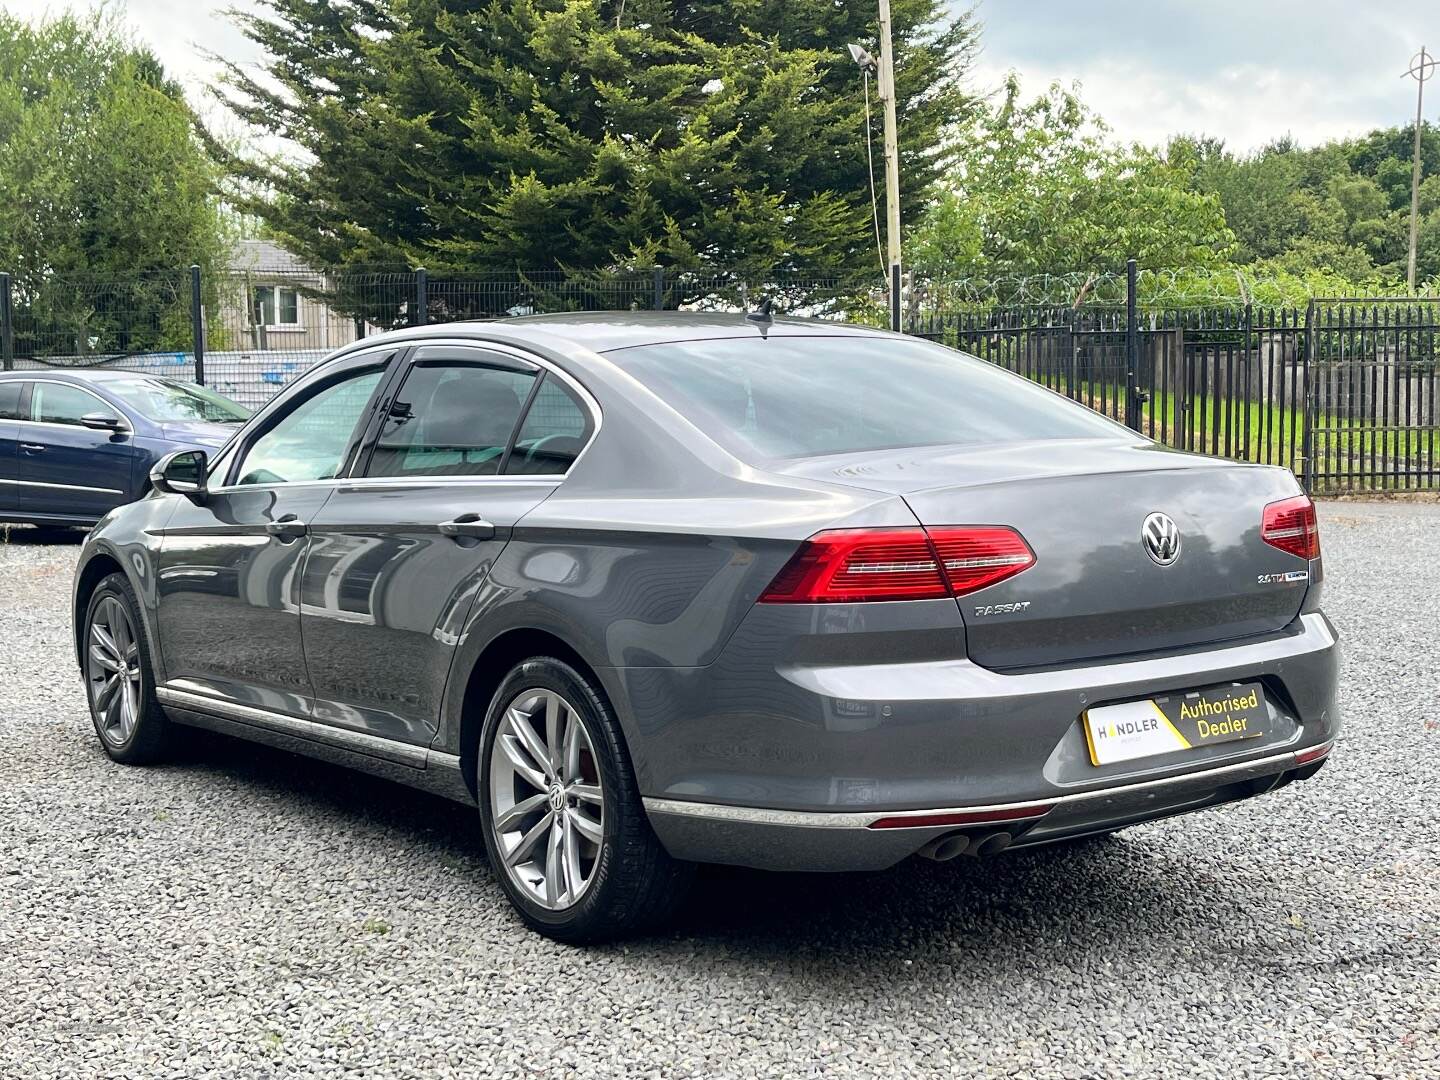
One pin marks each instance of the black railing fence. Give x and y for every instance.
(1343, 392)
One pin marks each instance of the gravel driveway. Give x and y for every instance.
(245, 913)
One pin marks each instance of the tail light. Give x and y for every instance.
(1290, 525)
(976, 557)
(842, 566)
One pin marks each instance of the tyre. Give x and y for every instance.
(119, 676)
(561, 814)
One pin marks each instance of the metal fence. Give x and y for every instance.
(1343, 392)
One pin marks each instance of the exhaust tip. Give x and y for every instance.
(992, 844)
(945, 848)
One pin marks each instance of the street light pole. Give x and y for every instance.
(886, 87)
(1422, 66)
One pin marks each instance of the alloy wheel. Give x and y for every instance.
(547, 807)
(112, 671)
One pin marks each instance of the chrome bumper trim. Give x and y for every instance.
(822, 819)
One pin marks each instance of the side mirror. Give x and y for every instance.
(104, 422)
(180, 473)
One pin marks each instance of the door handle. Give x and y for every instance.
(32, 448)
(469, 525)
(287, 528)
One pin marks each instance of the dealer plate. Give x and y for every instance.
(1136, 729)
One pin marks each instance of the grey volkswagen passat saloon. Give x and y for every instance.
(656, 589)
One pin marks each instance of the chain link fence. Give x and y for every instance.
(1342, 392)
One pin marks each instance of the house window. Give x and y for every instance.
(276, 305)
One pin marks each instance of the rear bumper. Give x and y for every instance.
(874, 840)
(791, 768)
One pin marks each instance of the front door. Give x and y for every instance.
(400, 551)
(66, 468)
(230, 561)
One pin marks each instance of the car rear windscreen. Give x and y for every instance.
(792, 397)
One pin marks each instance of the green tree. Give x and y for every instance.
(584, 133)
(101, 174)
(1342, 207)
(1257, 193)
(1040, 188)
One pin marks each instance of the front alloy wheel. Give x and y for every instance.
(119, 681)
(112, 670)
(547, 802)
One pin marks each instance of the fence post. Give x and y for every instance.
(895, 297)
(1307, 411)
(197, 323)
(1132, 349)
(659, 288)
(421, 315)
(1249, 360)
(7, 324)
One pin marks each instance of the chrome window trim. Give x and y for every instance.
(840, 819)
(452, 480)
(549, 479)
(69, 427)
(220, 463)
(285, 484)
(64, 487)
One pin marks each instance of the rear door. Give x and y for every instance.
(400, 551)
(10, 395)
(66, 468)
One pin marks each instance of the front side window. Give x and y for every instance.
(450, 420)
(275, 305)
(57, 403)
(556, 429)
(795, 397)
(170, 402)
(310, 441)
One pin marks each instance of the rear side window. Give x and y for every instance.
(792, 397)
(450, 420)
(10, 399)
(556, 429)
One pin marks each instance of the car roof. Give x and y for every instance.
(603, 331)
(95, 375)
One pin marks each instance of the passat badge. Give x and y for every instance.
(1160, 537)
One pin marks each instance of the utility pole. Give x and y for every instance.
(1422, 67)
(886, 81)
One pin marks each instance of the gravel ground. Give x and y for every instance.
(245, 913)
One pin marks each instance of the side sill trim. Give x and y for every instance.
(62, 487)
(862, 819)
(357, 741)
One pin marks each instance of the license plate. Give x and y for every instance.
(1164, 725)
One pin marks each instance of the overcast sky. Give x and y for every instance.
(1245, 70)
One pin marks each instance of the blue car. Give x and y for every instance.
(76, 444)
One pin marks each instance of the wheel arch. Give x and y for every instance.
(100, 566)
(489, 669)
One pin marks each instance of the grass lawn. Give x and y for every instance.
(1274, 435)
